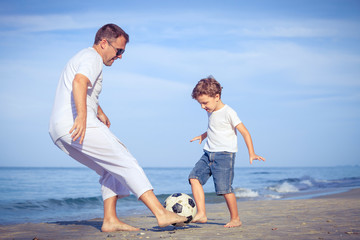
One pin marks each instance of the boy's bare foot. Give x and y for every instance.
(116, 225)
(233, 223)
(199, 218)
(169, 218)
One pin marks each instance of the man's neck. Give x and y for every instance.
(97, 49)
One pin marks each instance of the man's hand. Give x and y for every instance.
(78, 129)
(104, 119)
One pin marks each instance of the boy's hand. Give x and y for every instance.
(256, 157)
(197, 138)
(200, 138)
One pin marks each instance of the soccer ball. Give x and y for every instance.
(181, 204)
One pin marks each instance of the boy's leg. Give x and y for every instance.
(223, 174)
(199, 196)
(234, 214)
(163, 216)
(111, 222)
(197, 177)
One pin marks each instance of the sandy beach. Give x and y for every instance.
(329, 217)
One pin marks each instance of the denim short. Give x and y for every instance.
(220, 165)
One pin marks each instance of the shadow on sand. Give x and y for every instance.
(96, 223)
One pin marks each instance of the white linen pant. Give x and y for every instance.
(107, 156)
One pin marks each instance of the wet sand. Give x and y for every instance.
(328, 217)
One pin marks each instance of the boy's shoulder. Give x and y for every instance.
(227, 108)
(225, 112)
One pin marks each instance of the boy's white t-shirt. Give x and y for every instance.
(86, 62)
(221, 132)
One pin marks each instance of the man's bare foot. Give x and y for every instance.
(116, 225)
(169, 218)
(233, 223)
(200, 218)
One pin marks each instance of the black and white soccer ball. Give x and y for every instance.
(183, 205)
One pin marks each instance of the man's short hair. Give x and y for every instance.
(110, 32)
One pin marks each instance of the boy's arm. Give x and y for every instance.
(247, 138)
(200, 138)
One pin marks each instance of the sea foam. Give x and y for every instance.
(284, 187)
(245, 193)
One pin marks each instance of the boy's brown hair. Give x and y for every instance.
(207, 86)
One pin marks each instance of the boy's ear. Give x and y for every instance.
(217, 97)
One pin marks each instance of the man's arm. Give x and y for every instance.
(79, 91)
(102, 117)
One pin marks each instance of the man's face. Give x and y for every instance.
(209, 104)
(111, 48)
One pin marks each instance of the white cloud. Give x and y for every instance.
(286, 61)
(34, 23)
(300, 28)
(186, 24)
(131, 84)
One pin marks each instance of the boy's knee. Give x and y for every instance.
(194, 181)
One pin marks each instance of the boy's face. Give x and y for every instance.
(209, 104)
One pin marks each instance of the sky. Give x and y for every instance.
(290, 69)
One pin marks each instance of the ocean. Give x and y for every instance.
(69, 194)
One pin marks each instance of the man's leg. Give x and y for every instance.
(104, 150)
(163, 216)
(111, 222)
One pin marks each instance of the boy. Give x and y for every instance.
(219, 150)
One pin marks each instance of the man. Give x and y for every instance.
(80, 128)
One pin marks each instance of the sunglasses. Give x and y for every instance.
(119, 51)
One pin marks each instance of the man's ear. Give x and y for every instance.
(103, 43)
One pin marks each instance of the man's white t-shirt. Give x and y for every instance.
(221, 132)
(86, 62)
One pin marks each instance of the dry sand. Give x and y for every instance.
(329, 217)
